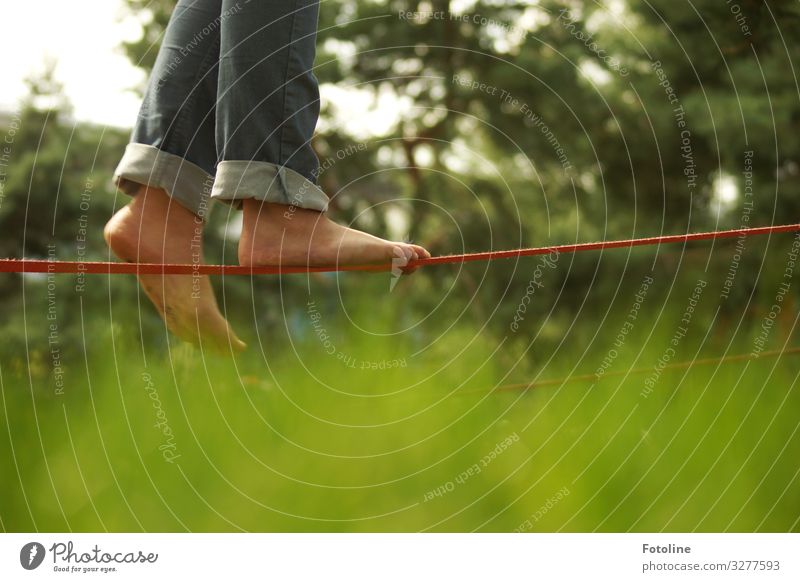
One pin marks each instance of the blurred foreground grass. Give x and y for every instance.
(292, 437)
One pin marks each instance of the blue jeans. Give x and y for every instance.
(230, 107)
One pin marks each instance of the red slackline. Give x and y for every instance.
(102, 268)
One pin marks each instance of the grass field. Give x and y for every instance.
(369, 426)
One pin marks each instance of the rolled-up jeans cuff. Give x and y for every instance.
(240, 180)
(185, 182)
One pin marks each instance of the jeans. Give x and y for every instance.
(230, 107)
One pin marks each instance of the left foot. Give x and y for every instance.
(153, 229)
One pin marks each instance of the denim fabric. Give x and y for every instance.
(231, 106)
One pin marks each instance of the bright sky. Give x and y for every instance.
(83, 39)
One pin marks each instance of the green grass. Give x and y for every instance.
(289, 438)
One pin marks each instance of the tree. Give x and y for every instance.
(59, 174)
(516, 124)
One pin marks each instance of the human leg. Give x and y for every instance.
(168, 167)
(268, 105)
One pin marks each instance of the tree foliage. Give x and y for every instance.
(477, 124)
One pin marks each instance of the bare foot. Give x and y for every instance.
(151, 229)
(279, 235)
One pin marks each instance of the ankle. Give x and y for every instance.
(154, 228)
(278, 216)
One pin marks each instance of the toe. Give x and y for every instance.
(417, 253)
(411, 255)
(239, 345)
(399, 256)
(235, 343)
(422, 252)
(414, 257)
(217, 333)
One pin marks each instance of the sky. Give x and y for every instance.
(83, 39)
(97, 77)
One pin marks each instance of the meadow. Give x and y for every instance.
(351, 412)
(359, 407)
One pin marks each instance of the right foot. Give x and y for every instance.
(280, 235)
(152, 229)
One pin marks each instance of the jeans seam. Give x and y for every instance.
(290, 54)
